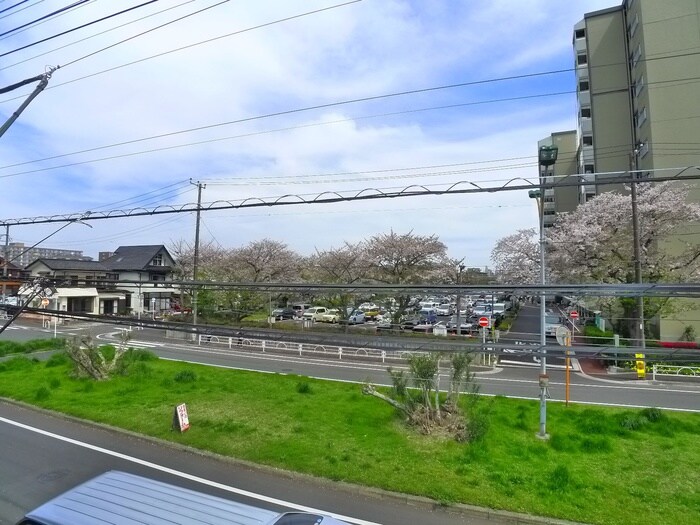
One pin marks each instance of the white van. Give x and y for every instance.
(126, 499)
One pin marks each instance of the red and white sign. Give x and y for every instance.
(483, 321)
(181, 417)
(574, 314)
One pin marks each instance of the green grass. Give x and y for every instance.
(602, 466)
(15, 347)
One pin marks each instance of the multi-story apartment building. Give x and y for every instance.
(20, 255)
(638, 93)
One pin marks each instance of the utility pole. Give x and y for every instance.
(195, 265)
(639, 317)
(5, 262)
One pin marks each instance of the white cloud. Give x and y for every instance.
(356, 51)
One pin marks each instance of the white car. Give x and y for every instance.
(331, 316)
(444, 309)
(315, 313)
(551, 322)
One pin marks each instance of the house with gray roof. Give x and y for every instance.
(93, 286)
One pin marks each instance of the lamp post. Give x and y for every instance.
(547, 156)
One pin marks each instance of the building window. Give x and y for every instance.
(632, 26)
(585, 112)
(587, 140)
(638, 86)
(583, 85)
(157, 260)
(582, 59)
(636, 55)
(580, 33)
(589, 168)
(640, 117)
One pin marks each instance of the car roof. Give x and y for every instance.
(127, 499)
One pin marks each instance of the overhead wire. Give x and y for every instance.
(45, 17)
(114, 28)
(18, 10)
(87, 24)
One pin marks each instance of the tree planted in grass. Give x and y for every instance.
(90, 359)
(424, 407)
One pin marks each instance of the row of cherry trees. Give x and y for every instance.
(390, 258)
(594, 244)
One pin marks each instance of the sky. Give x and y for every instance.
(257, 100)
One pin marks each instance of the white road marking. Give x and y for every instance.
(185, 475)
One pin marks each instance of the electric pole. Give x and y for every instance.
(639, 317)
(195, 265)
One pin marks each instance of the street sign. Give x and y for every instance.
(574, 314)
(483, 321)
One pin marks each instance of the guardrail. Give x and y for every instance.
(673, 370)
(308, 349)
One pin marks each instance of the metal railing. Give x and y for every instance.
(673, 370)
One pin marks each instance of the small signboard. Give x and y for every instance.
(574, 314)
(641, 366)
(180, 418)
(483, 322)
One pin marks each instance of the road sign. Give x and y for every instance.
(483, 321)
(44, 302)
(574, 314)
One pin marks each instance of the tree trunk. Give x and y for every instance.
(369, 390)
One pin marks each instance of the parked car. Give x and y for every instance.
(356, 317)
(444, 309)
(280, 314)
(315, 313)
(331, 316)
(300, 308)
(467, 327)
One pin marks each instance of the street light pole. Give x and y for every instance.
(459, 300)
(547, 157)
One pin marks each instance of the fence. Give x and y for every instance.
(673, 370)
(317, 350)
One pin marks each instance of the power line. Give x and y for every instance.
(77, 28)
(45, 17)
(95, 35)
(19, 10)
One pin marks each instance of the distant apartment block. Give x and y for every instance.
(17, 257)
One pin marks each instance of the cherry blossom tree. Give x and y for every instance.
(406, 258)
(594, 243)
(516, 257)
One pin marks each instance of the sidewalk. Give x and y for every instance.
(592, 367)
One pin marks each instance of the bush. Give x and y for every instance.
(185, 376)
(653, 415)
(595, 336)
(42, 393)
(303, 387)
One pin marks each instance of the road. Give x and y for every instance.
(518, 377)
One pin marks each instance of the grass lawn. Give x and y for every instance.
(603, 466)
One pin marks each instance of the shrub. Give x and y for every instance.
(560, 478)
(42, 393)
(303, 387)
(185, 376)
(652, 414)
(633, 422)
(595, 336)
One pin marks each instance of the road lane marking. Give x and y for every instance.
(184, 475)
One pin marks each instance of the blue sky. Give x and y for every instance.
(364, 49)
